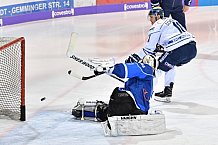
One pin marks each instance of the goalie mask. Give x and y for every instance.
(150, 60)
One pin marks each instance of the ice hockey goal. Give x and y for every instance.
(12, 78)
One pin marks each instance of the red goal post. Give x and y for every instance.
(12, 78)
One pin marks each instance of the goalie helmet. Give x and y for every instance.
(150, 60)
(156, 11)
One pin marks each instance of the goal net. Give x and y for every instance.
(12, 78)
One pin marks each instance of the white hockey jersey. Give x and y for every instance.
(168, 33)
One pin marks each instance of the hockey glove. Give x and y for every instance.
(150, 60)
(133, 58)
(159, 48)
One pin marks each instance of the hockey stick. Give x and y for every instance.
(70, 54)
(92, 66)
(72, 44)
(83, 77)
(91, 76)
(85, 63)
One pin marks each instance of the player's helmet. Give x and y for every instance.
(156, 11)
(150, 60)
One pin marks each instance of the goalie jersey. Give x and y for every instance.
(139, 84)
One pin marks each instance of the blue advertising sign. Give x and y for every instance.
(32, 7)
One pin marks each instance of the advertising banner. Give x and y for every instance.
(106, 2)
(122, 7)
(47, 9)
(33, 7)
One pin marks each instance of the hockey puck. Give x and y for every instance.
(69, 72)
(43, 98)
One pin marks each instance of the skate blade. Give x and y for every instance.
(165, 99)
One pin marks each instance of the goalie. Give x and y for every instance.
(132, 99)
(127, 111)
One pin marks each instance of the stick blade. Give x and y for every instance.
(72, 44)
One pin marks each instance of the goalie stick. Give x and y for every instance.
(83, 77)
(94, 63)
(92, 67)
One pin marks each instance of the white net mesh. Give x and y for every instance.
(10, 78)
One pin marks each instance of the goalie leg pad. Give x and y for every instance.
(134, 125)
(91, 109)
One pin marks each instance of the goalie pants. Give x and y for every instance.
(177, 57)
(121, 103)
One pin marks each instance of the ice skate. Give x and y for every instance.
(165, 95)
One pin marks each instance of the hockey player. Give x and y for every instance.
(133, 98)
(178, 44)
(175, 8)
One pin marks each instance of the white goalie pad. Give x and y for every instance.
(134, 125)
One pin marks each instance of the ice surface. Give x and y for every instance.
(191, 118)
